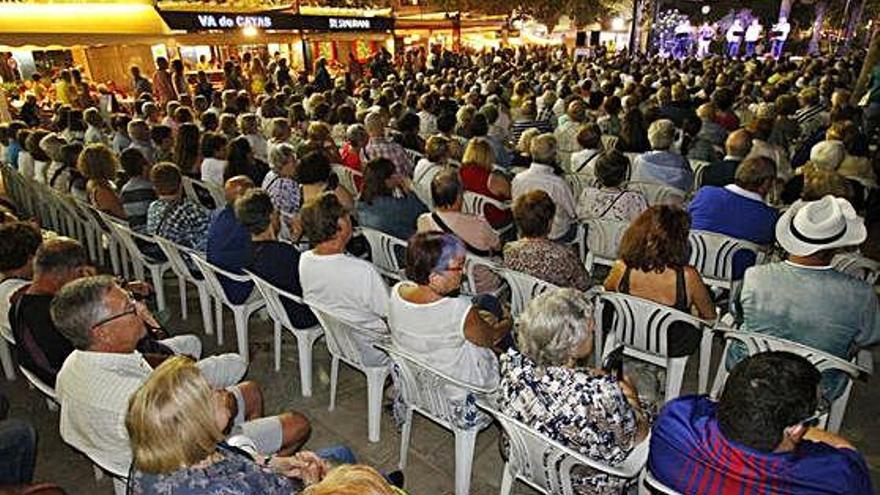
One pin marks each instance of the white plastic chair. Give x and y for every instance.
(43, 387)
(343, 347)
(175, 254)
(475, 204)
(6, 359)
(523, 288)
(305, 337)
(383, 248)
(598, 241)
(413, 155)
(347, 178)
(127, 239)
(648, 485)
(858, 266)
(642, 326)
(440, 398)
(758, 342)
(659, 194)
(609, 141)
(190, 187)
(241, 312)
(712, 255)
(546, 465)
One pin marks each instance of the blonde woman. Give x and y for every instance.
(523, 157)
(478, 175)
(355, 479)
(175, 422)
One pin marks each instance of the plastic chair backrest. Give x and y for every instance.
(413, 155)
(643, 324)
(579, 182)
(609, 141)
(659, 194)
(653, 484)
(387, 253)
(40, 385)
(546, 464)
(858, 266)
(602, 240)
(212, 274)
(340, 336)
(712, 255)
(192, 186)
(347, 178)
(523, 288)
(475, 204)
(274, 300)
(428, 390)
(175, 254)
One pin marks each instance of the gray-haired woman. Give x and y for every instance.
(584, 409)
(285, 192)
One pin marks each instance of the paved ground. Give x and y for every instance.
(431, 460)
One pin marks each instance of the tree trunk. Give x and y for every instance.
(818, 22)
(785, 8)
(635, 32)
(871, 60)
(852, 27)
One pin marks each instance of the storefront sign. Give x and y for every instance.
(223, 21)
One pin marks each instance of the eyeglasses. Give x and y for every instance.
(131, 309)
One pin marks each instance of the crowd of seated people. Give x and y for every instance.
(787, 159)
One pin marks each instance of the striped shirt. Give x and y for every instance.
(136, 195)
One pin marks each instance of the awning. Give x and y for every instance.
(78, 24)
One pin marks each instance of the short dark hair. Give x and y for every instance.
(19, 242)
(376, 172)
(428, 252)
(446, 122)
(532, 213)
(133, 162)
(612, 168)
(160, 132)
(657, 239)
(320, 217)
(60, 254)
(254, 209)
(313, 168)
(446, 187)
(166, 178)
(70, 154)
(765, 394)
(589, 136)
(212, 142)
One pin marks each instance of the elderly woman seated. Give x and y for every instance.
(609, 200)
(534, 253)
(176, 421)
(447, 331)
(386, 203)
(279, 182)
(585, 409)
(275, 261)
(653, 264)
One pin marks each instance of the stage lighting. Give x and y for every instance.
(249, 31)
(706, 9)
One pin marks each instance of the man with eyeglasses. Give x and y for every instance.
(760, 437)
(105, 324)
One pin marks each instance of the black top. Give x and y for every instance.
(720, 173)
(40, 348)
(278, 263)
(681, 302)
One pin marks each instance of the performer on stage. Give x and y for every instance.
(778, 36)
(683, 33)
(734, 38)
(704, 39)
(753, 34)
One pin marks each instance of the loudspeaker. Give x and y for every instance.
(581, 39)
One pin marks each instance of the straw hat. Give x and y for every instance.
(812, 226)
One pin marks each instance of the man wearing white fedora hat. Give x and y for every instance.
(802, 298)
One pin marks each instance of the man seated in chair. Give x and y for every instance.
(738, 210)
(758, 438)
(346, 287)
(803, 298)
(105, 324)
(229, 243)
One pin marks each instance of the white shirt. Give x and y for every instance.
(40, 171)
(259, 147)
(435, 333)
(94, 389)
(539, 176)
(349, 288)
(753, 32)
(733, 32)
(783, 28)
(212, 170)
(735, 189)
(427, 123)
(7, 289)
(26, 164)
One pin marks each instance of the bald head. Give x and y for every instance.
(236, 186)
(738, 143)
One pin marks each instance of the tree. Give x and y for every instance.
(871, 61)
(821, 7)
